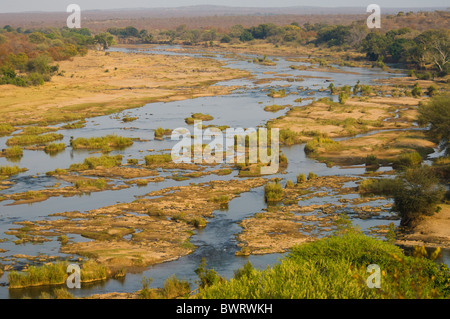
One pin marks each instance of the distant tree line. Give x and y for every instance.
(27, 57)
(427, 50)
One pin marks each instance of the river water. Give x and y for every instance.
(244, 108)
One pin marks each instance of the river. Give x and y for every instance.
(244, 108)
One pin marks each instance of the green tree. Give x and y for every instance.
(246, 36)
(435, 48)
(374, 45)
(417, 195)
(436, 114)
(105, 40)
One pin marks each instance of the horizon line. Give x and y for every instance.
(236, 7)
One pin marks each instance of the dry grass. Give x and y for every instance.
(86, 90)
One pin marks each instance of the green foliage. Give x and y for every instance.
(381, 186)
(418, 194)
(289, 184)
(33, 139)
(93, 271)
(417, 90)
(301, 178)
(157, 159)
(436, 113)
(207, 277)
(273, 192)
(289, 137)
(432, 90)
(335, 268)
(6, 129)
(94, 162)
(75, 125)
(311, 176)
(57, 171)
(407, 160)
(54, 147)
(175, 288)
(320, 142)
(49, 274)
(103, 143)
(14, 152)
(99, 183)
(11, 170)
(343, 97)
(372, 160)
(146, 292)
(275, 108)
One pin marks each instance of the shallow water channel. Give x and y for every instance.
(244, 108)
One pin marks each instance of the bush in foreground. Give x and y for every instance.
(335, 268)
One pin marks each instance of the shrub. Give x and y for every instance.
(417, 195)
(343, 97)
(127, 119)
(93, 271)
(175, 288)
(146, 292)
(11, 170)
(289, 137)
(48, 274)
(105, 161)
(132, 161)
(327, 143)
(198, 222)
(432, 90)
(301, 178)
(99, 183)
(6, 129)
(157, 159)
(424, 76)
(372, 160)
(436, 113)
(75, 125)
(275, 108)
(383, 186)
(104, 142)
(160, 132)
(207, 277)
(407, 160)
(198, 116)
(54, 147)
(33, 139)
(311, 176)
(315, 271)
(289, 184)
(417, 90)
(14, 152)
(273, 192)
(57, 171)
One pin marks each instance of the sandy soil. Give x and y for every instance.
(431, 231)
(98, 84)
(149, 230)
(373, 113)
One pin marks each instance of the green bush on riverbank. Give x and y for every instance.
(335, 268)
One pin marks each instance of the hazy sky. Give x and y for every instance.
(61, 5)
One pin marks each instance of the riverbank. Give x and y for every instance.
(107, 82)
(430, 231)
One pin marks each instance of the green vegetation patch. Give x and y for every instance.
(157, 159)
(11, 170)
(275, 108)
(103, 143)
(104, 161)
(336, 268)
(33, 139)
